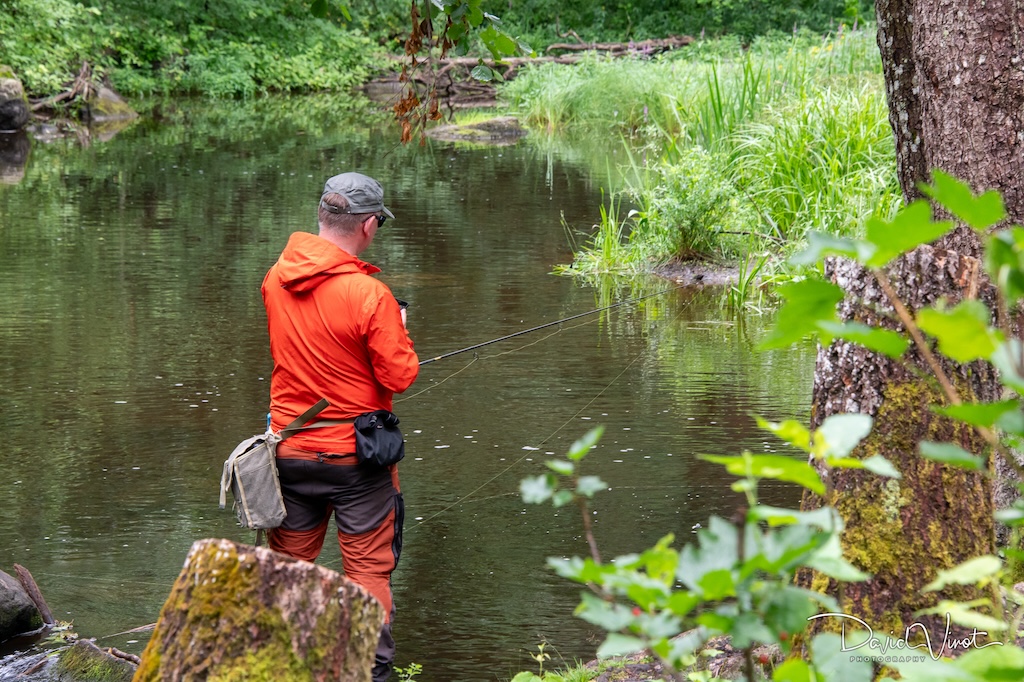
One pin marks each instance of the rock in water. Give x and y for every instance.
(246, 613)
(14, 110)
(86, 662)
(106, 105)
(18, 613)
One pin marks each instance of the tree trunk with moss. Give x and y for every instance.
(244, 613)
(955, 88)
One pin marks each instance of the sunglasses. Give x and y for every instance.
(381, 219)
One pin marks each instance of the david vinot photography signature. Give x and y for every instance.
(917, 631)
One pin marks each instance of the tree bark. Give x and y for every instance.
(246, 613)
(955, 85)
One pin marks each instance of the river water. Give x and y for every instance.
(133, 357)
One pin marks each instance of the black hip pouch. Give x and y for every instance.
(379, 441)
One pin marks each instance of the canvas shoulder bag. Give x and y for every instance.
(250, 474)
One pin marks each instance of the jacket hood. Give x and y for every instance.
(308, 260)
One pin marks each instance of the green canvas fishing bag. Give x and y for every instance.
(250, 475)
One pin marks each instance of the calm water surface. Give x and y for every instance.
(133, 357)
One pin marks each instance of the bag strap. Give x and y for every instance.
(301, 420)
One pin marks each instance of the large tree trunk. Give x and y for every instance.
(246, 613)
(955, 87)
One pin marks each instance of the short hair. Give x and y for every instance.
(343, 223)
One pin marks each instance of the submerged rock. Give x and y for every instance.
(14, 109)
(501, 130)
(18, 613)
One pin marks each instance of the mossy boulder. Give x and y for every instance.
(86, 662)
(238, 612)
(14, 109)
(18, 613)
(106, 105)
(502, 130)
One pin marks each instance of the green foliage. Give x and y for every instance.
(737, 578)
(409, 672)
(544, 20)
(765, 144)
(236, 48)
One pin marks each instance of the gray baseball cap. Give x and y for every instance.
(364, 194)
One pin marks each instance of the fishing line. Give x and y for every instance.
(501, 473)
(490, 357)
(549, 324)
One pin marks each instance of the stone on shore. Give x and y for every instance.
(238, 612)
(14, 109)
(18, 613)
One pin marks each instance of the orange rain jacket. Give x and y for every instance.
(335, 333)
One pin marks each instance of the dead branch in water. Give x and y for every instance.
(29, 583)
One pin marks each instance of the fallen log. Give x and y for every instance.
(240, 612)
(652, 46)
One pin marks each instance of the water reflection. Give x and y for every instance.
(133, 356)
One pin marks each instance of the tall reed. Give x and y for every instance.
(769, 142)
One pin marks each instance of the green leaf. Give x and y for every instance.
(504, 45)
(978, 414)
(793, 432)
(879, 465)
(980, 212)
(526, 677)
(786, 609)
(1004, 264)
(536, 489)
(318, 8)
(825, 518)
(821, 244)
(579, 449)
(747, 629)
(963, 332)
(953, 455)
(777, 467)
(830, 561)
(911, 227)
(560, 466)
(808, 302)
(884, 341)
(620, 645)
(588, 485)
(969, 572)
(834, 661)
(1007, 360)
(992, 662)
(717, 585)
(481, 72)
(561, 498)
(606, 615)
(962, 614)
(839, 434)
(792, 670)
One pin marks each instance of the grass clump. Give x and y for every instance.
(742, 151)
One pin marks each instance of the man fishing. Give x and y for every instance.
(338, 333)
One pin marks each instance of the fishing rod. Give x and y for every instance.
(548, 324)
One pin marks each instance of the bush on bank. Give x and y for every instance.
(237, 48)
